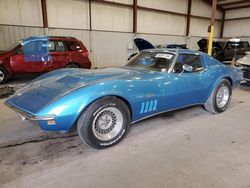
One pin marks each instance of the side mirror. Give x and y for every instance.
(187, 68)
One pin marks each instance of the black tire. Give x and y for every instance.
(3, 75)
(212, 105)
(90, 131)
(72, 65)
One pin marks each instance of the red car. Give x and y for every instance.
(43, 54)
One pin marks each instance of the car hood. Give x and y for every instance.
(244, 60)
(202, 43)
(143, 44)
(51, 86)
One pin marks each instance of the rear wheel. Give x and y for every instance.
(220, 98)
(104, 123)
(3, 75)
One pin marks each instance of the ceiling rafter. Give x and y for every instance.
(230, 5)
(233, 3)
(238, 7)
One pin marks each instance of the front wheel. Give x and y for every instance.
(104, 123)
(3, 76)
(220, 98)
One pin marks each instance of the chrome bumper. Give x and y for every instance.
(27, 116)
(246, 73)
(246, 79)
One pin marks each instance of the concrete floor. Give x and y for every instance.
(184, 148)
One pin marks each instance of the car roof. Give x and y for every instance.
(44, 37)
(175, 51)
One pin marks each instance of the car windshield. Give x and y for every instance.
(241, 44)
(155, 61)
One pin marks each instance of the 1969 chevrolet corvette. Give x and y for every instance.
(103, 103)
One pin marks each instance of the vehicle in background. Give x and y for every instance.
(216, 45)
(225, 50)
(103, 103)
(43, 54)
(237, 49)
(244, 64)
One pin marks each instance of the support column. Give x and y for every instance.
(44, 12)
(211, 29)
(222, 24)
(135, 16)
(90, 17)
(188, 17)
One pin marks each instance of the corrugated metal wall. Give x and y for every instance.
(68, 14)
(21, 12)
(110, 41)
(237, 28)
(199, 26)
(9, 35)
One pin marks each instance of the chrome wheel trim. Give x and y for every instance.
(222, 96)
(1, 75)
(107, 123)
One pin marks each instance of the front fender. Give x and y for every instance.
(68, 108)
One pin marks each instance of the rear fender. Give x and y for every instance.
(217, 81)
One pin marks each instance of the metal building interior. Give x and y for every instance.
(183, 145)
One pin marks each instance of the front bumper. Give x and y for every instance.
(246, 72)
(47, 122)
(41, 120)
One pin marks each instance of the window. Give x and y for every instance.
(245, 44)
(34, 50)
(51, 46)
(189, 59)
(74, 46)
(152, 61)
(30, 47)
(56, 46)
(60, 46)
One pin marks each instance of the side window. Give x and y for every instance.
(56, 46)
(30, 47)
(240, 45)
(161, 63)
(52, 46)
(73, 46)
(60, 46)
(34, 50)
(189, 59)
(245, 44)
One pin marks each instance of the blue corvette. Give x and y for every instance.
(103, 103)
